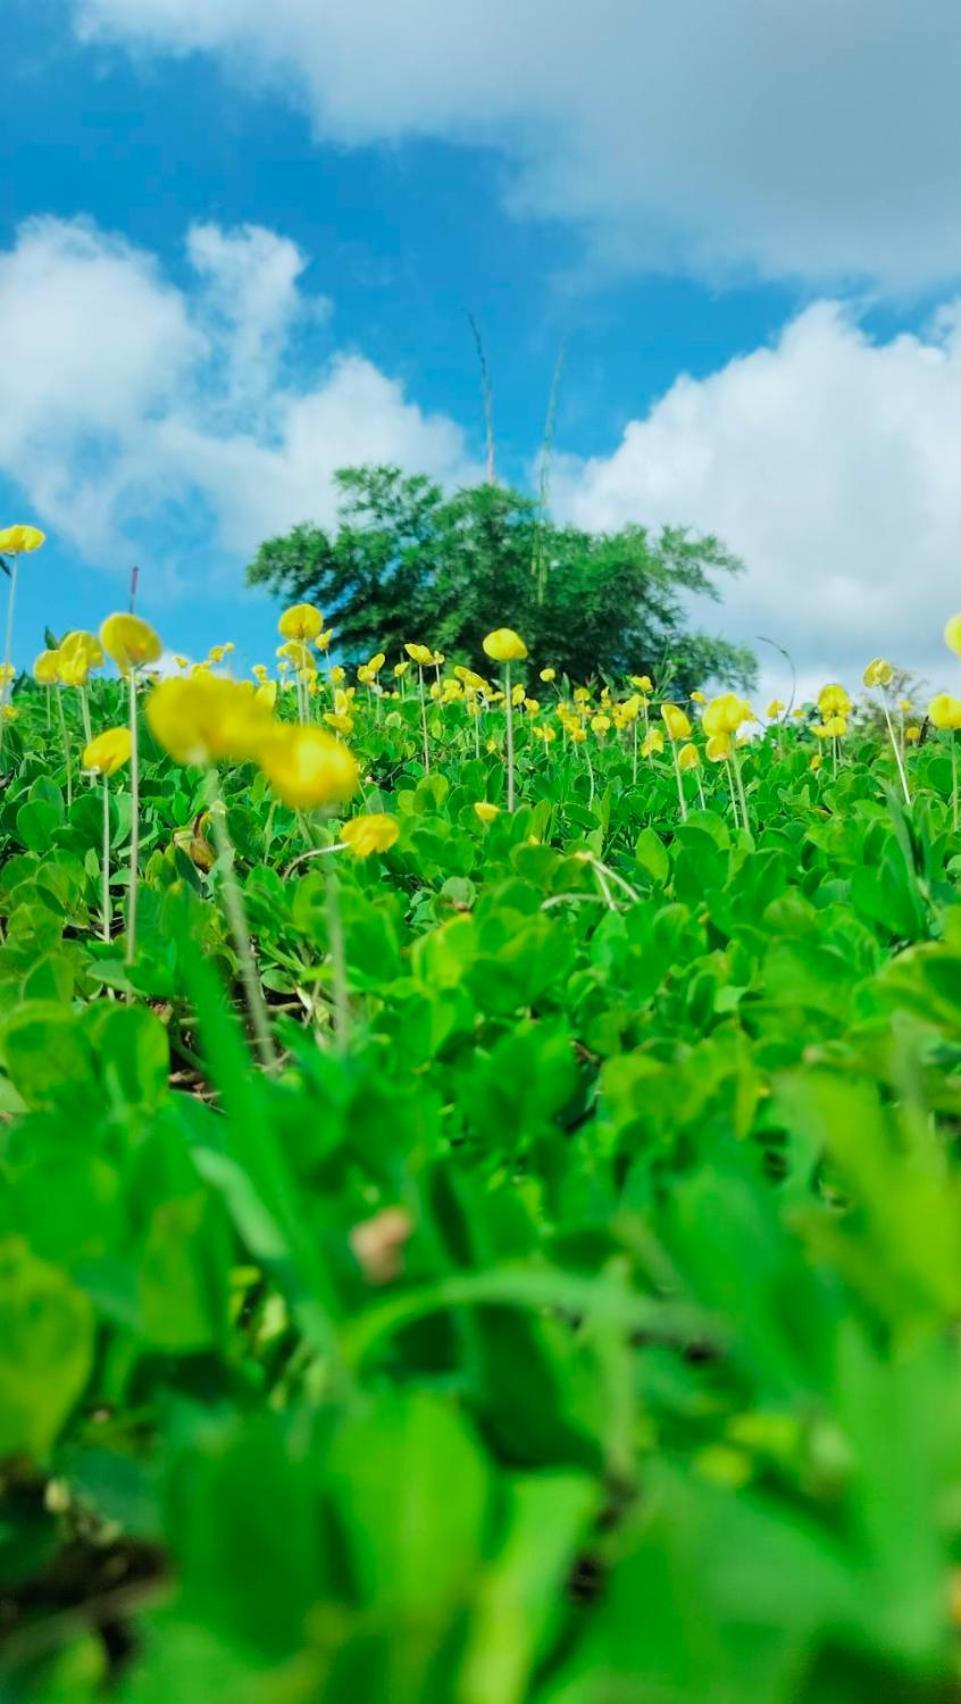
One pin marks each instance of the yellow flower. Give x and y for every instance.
(642, 682)
(653, 742)
(84, 644)
(816, 762)
(833, 700)
(542, 732)
(719, 747)
(912, 734)
(400, 669)
(688, 757)
(109, 751)
(307, 767)
(130, 642)
(775, 710)
(835, 727)
(46, 669)
(532, 706)
(952, 632)
(377, 661)
(302, 621)
(19, 541)
(878, 673)
(485, 811)
(296, 652)
(725, 714)
(375, 832)
(206, 718)
(945, 711)
(505, 646)
(547, 675)
(422, 655)
(266, 693)
(337, 675)
(698, 698)
(341, 723)
(600, 725)
(676, 721)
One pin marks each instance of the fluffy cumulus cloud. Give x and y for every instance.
(818, 141)
(154, 412)
(832, 465)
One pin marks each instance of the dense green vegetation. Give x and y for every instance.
(407, 559)
(571, 1314)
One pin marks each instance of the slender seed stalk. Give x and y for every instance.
(509, 703)
(237, 918)
(896, 748)
(105, 860)
(338, 958)
(740, 788)
(134, 822)
(85, 716)
(733, 788)
(634, 761)
(423, 719)
(8, 647)
(700, 789)
(590, 771)
(682, 802)
(954, 781)
(68, 759)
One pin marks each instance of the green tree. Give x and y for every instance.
(407, 562)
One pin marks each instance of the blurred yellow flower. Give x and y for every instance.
(725, 714)
(46, 669)
(653, 742)
(720, 747)
(945, 711)
(833, 700)
(505, 646)
(775, 709)
(486, 811)
(642, 682)
(206, 718)
(302, 621)
(676, 721)
(130, 642)
(688, 757)
(547, 675)
(307, 767)
(422, 655)
(952, 634)
(20, 541)
(108, 751)
(878, 673)
(374, 832)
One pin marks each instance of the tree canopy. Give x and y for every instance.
(408, 562)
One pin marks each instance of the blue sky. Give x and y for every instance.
(758, 322)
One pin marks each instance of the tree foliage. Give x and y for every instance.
(407, 562)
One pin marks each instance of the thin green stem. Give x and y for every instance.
(64, 735)
(237, 919)
(509, 704)
(896, 749)
(954, 780)
(105, 860)
(423, 719)
(134, 821)
(682, 802)
(8, 648)
(338, 958)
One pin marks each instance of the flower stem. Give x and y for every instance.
(338, 958)
(423, 719)
(680, 781)
(105, 860)
(896, 749)
(8, 648)
(509, 703)
(134, 822)
(237, 918)
(66, 749)
(954, 781)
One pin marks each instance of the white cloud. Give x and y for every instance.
(817, 141)
(150, 413)
(832, 465)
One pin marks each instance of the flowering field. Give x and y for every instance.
(481, 1219)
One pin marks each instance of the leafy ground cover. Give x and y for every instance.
(470, 1255)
